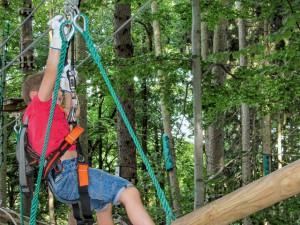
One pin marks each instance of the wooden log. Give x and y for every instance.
(249, 199)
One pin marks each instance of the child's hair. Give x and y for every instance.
(32, 83)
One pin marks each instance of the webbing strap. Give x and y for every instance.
(82, 210)
(23, 163)
(74, 134)
(83, 174)
(64, 146)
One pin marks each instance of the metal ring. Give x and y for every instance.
(69, 32)
(76, 18)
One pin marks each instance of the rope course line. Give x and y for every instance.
(117, 31)
(83, 61)
(27, 18)
(10, 123)
(25, 50)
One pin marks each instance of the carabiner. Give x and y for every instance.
(77, 26)
(17, 127)
(68, 30)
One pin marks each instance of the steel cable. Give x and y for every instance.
(117, 31)
(28, 17)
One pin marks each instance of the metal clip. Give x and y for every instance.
(68, 30)
(70, 7)
(75, 23)
(72, 80)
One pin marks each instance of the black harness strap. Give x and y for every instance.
(82, 209)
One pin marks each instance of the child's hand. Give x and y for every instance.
(55, 23)
(64, 81)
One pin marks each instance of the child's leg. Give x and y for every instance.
(137, 214)
(105, 217)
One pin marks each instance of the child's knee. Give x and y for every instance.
(130, 194)
(105, 214)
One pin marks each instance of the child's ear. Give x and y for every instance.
(32, 94)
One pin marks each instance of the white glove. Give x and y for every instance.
(64, 81)
(55, 23)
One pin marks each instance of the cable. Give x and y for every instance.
(28, 48)
(12, 219)
(28, 17)
(10, 123)
(117, 31)
(107, 39)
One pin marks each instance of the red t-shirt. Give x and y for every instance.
(38, 114)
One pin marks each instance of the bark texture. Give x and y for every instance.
(197, 109)
(124, 49)
(175, 191)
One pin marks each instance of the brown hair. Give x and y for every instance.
(32, 83)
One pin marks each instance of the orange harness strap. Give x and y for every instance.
(54, 158)
(83, 175)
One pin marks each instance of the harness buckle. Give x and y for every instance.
(80, 158)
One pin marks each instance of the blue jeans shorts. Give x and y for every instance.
(103, 189)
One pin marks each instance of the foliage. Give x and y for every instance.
(268, 85)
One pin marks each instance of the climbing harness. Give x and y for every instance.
(52, 165)
(27, 158)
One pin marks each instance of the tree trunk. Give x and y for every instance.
(27, 66)
(147, 48)
(279, 142)
(204, 40)
(266, 128)
(198, 138)
(246, 146)
(215, 135)
(124, 49)
(3, 132)
(175, 191)
(279, 47)
(267, 143)
(3, 163)
(51, 208)
(82, 97)
(145, 129)
(27, 61)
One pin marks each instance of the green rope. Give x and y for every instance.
(85, 33)
(60, 67)
(21, 206)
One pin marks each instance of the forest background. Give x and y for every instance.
(224, 91)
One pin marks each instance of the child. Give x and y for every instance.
(104, 189)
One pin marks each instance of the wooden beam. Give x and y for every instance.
(13, 105)
(262, 193)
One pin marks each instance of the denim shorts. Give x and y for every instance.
(103, 189)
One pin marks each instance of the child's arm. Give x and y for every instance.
(48, 82)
